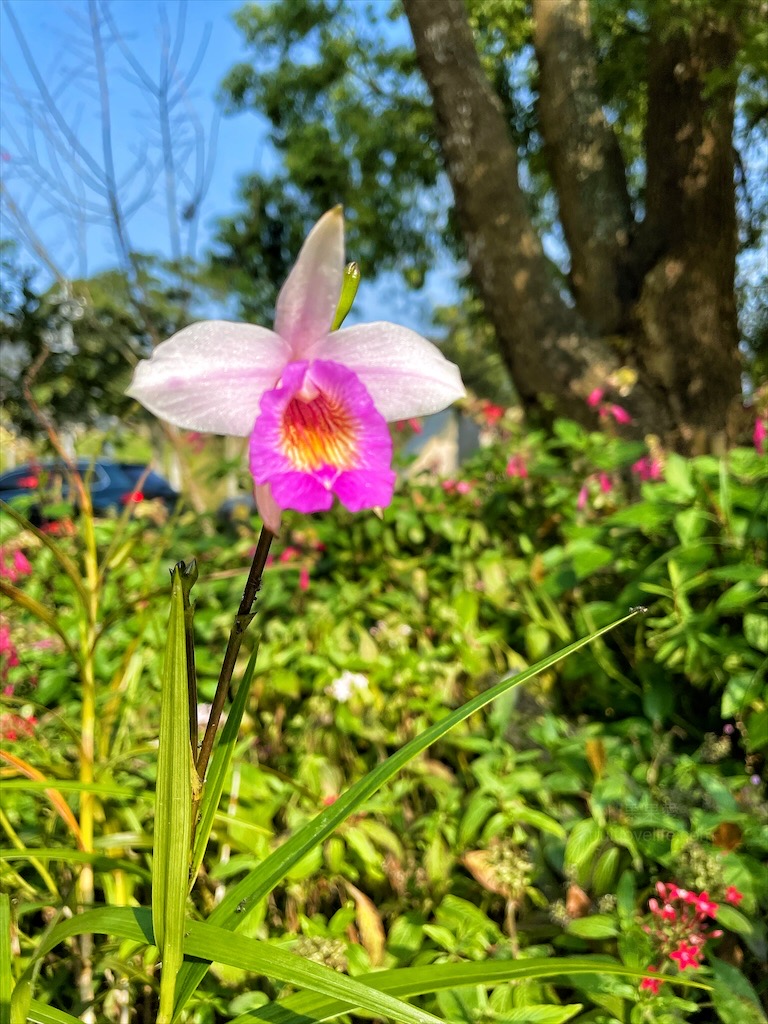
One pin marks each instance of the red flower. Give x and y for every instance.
(14, 726)
(702, 903)
(516, 467)
(686, 955)
(732, 895)
(492, 413)
(651, 985)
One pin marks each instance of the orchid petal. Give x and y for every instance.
(269, 510)
(302, 492)
(307, 301)
(404, 374)
(210, 376)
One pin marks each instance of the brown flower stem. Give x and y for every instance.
(242, 621)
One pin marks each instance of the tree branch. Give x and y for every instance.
(585, 162)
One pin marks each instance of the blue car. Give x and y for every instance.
(112, 485)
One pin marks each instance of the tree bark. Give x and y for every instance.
(686, 313)
(546, 345)
(585, 162)
(553, 357)
(660, 299)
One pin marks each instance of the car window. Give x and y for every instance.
(98, 478)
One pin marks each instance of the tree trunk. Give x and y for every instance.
(686, 311)
(658, 298)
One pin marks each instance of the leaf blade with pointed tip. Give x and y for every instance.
(173, 800)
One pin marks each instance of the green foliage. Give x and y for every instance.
(94, 330)
(636, 760)
(350, 121)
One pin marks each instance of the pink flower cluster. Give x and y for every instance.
(457, 486)
(414, 423)
(517, 467)
(291, 554)
(608, 410)
(14, 727)
(9, 656)
(679, 927)
(760, 434)
(604, 483)
(648, 468)
(14, 564)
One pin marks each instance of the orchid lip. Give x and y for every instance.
(307, 449)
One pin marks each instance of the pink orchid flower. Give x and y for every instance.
(760, 434)
(315, 403)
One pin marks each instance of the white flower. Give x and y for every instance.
(346, 684)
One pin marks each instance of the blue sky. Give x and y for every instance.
(59, 38)
(57, 34)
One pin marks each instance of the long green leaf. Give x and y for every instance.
(262, 880)
(70, 786)
(39, 1013)
(173, 802)
(6, 973)
(414, 981)
(217, 773)
(330, 993)
(221, 946)
(101, 861)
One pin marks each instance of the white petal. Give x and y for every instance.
(307, 301)
(211, 376)
(405, 374)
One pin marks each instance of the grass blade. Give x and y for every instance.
(39, 1013)
(263, 958)
(39, 611)
(413, 981)
(206, 941)
(262, 880)
(63, 559)
(50, 788)
(173, 802)
(6, 972)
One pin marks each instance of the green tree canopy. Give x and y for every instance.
(592, 153)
